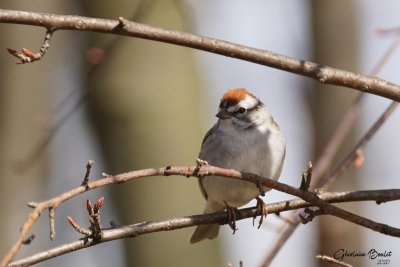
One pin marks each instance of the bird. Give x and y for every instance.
(245, 138)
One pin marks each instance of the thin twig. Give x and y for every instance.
(27, 56)
(306, 177)
(324, 74)
(89, 166)
(78, 228)
(134, 230)
(52, 219)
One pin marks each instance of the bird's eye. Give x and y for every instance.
(241, 110)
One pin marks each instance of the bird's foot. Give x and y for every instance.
(262, 210)
(232, 216)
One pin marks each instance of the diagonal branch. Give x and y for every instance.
(134, 230)
(349, 159)
(322, 73)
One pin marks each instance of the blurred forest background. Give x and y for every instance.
(148, 104)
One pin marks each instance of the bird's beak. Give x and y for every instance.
(223, 114)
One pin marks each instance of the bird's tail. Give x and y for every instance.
(209, 231)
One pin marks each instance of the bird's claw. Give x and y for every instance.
(261, 210)
(232, 212)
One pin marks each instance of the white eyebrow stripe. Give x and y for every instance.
(249, 102)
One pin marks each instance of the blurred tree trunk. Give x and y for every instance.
(144, 101)
(335, 35)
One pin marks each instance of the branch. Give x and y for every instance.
(134, 230)
(206, 170)
(324, 74)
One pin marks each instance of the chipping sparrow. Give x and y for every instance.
(245, 138)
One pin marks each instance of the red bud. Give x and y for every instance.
(89, 207)
(73, 223)
(27, 52)
(98, 204)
